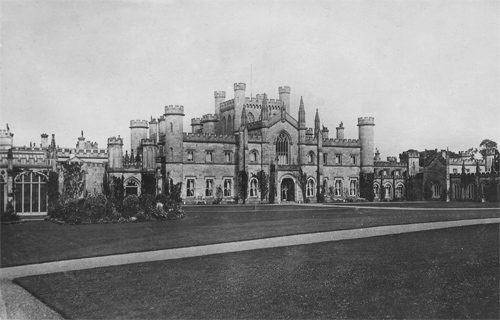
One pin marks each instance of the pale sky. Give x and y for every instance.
(428, 71)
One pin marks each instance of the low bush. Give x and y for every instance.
(101, 209)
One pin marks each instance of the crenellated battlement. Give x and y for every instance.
(209, 118)
(174, 110)
(366, 121)
(148, 142)
(412, 154)
(153, 121)
(94, 153)
(195, 121)
(227, 105)
(139, 124)
(204, 137)
(389, 164)
(219, 94)
(240, 86)
(114, 140)
(285, 89)
(341, 142)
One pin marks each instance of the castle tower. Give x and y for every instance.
(413, 165)
(115, 153)
(284, 93)
(153, 130)
(220, 96)
(148, 154)
(162, 128)
(196, 125)
(138, 131)
(45, 140)
(340, 131)
(239, 101)
(174, 148)
(367, 140)
(209, 122)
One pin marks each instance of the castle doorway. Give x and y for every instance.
(287, 190)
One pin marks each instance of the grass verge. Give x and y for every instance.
(448, 273)
(41, 241)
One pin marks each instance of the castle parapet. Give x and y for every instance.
(114, 140)
(195, 121)
(366, 121)
(148, 142)
(200, 137)
(240, 86)
(139, 124)
(254, 138)
(209, 118)
(219, 94)
(174, 110)
(340, 142)
(285, 89)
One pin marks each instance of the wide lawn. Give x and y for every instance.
(439, 274)
(42, 241)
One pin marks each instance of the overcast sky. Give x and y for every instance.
(428, 71)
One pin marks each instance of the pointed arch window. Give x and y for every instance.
(283, 148)
(132, 187)
(310, 188)
(251, 118)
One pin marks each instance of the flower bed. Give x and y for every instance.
(101, 209)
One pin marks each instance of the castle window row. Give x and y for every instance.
(210, 156)
(209, 188)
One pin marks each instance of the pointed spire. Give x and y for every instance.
(316, 124)
(244, 117)
(302, 112)
(265, 110)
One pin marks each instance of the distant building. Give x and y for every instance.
(251, 134)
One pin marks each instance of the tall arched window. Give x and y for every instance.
(253, 188)
(171, 127)
(352, 188)
(436, 190)
(310, 188)
(388, 191)
(283, 148)
(338, 188)
(456, 191)
(399, 191)
(310, 157)
(376, 191)
(31, 192)
(251, 118)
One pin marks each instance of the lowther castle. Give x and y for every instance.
(244, 134)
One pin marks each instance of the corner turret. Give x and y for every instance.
(239, 101)
(284, 93)
(45, 140)
(174, 148)
(138, 131)
(115, 153)
(220, 96)
(367, 140)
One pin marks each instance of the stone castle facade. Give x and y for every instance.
(244, 133)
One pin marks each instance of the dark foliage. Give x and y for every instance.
(366, 186)
(243, 185)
